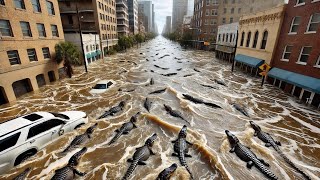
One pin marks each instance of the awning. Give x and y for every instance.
(305, 82)
(248, 60)
(88, 55)
(98, 52)
(93, 54)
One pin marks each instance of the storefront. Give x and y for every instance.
(248, 63)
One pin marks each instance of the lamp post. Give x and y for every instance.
(80, 31)
(235, 50)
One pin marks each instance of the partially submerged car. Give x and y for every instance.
(101, 87)
(24, 136)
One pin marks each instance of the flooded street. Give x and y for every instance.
(295, 125)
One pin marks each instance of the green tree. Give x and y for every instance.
(139, 38)
(186, 39)
(69, 54)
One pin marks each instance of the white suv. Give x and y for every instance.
(24, 136)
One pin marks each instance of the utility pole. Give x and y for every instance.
(80, 31)
(235, 50)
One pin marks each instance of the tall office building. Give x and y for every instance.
(179, 10)
(133, 16)
(167, 29)
(145, 7)
(122, 17)
(153, 17)
(96, 17)
(29, 31)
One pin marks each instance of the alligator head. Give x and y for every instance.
(172, 168)
(183, 132)
(91, 128)
(151, 140)
(133, 119)
(121, 104)
(255, 127)
(232, 138)
(74, 160)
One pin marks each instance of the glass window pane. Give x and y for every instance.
(19, 4)
(306, 50)
(5, 28)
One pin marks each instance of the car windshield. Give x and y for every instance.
(100, 86)
(60, 115)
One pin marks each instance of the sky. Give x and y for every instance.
(162, 8)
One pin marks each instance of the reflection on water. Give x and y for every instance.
(180, 72)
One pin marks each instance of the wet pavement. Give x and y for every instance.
(160, 64)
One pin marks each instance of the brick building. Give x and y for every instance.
(297, 57)
(29, 31)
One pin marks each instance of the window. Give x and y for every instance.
(219, 38)
(242, 39)
(214, 12)
(25, 27)
(232, 10)
(223, 37)
(239, 10)
(54, 30)
(87, 48)
(318, 62)
(231, 20)
(70, 20)
(2, 2)
(5, 28)
(304, 55)
(314, 22)
(206, 21)
(230, 37)
(207, 2)
(13, 57)
(223, 20)
(207, 12)
(50, 8)
(248, 39)
(19, 4)
(224, 10)
(33, 117)
(36, 6)
(46, 53)
(227, 37)
(9, 142)
(295, 24)
(32, 54)
(255, 40)
(264, 40)
(286, 53)
(43, 127)
(300, 2)
(41, 30)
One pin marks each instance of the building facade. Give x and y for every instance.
(258, 35)
(226, 41)
(91, 45)
(145, 10)
(122, 17)
(179, 10)
(297, 57)
(205, 19)
(96, 17)
(29, 31)
(133, 16)
(167, 28)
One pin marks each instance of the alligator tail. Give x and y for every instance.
(116, 137)
(107, 113)
(291, 164)
(264, 169)
(184, 163)
(132, 166)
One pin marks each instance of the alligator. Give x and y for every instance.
(181, 148)
(208, 86)
(157, 54)
(113, 110)
(142, 154)
(152, 71)
(197, 70)
(147, 59)
(174, 113)
(158, 91)
(80, 139)
(241, 109)
(199, 101)
(147, 104)
(164, 56)
(245, 154)
(187, 75)
(69, 171)
(23, 175)
(151, 81)
(179, 69)
(266, 137)
(160, 67)
(125, 128)
(167, 173)
(169, 74)
(220, 82)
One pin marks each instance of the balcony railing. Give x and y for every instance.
(122, 2)
(65, 10)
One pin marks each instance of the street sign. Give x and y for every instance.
(264, 73)
(265, 67)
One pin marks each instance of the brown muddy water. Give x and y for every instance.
(293, 124)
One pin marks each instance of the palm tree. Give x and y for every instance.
(69, 53)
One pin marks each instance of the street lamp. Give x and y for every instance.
(80, 31)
